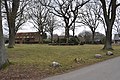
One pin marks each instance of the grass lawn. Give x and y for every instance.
(31, 61)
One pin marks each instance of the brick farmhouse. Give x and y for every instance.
(27, 37)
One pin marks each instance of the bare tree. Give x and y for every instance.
(11, 11)
(38, 16)
(3, 55)
(109, 12)
(85, 36)
(67, 10)
(102, 21)
(90, 16)
(14, 12)
(22, 16)
(51, 24)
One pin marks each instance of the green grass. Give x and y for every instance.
(30, 57)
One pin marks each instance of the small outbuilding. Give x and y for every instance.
(117, 38)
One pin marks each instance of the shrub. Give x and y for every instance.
(62, 40)
(46, 41)
(74, 40)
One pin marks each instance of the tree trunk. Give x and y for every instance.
(40, 37)
(11, 37)
(3, 55)
(109, 12)
(74, 30)
(108, 43)
(11, 16)
(67, 34)
(51, 37)
(93, 37)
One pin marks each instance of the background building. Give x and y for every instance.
(117, 38)
(27, 37)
